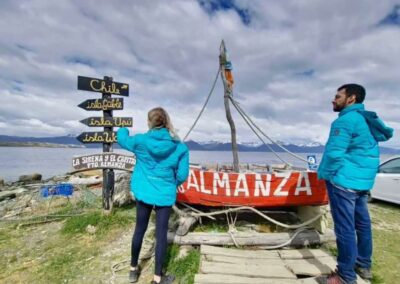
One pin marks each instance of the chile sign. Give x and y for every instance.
(106, 160)
(102, 86)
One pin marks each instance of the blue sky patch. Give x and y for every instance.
(214, 6)
(306, 73)
(16, 85)
(80, 60)
(393, 18)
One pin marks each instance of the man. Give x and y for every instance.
(349, 167)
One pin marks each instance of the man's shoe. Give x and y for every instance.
(166, 279)
(133, 276)
(365, 273)
(334, 278)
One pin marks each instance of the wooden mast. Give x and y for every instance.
(227, 93)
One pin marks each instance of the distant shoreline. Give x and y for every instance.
(38, 144)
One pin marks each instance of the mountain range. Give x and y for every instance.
(70, 140)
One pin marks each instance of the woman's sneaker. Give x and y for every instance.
(166, 279)
(133, 276)
(365, 273)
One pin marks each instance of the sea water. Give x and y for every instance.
(16, 161)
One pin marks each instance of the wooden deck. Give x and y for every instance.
(237, 266)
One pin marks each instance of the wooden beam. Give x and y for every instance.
(252, 239)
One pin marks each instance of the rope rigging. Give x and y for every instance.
(248, 121)
(204, 106)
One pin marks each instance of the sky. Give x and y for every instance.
(288, 57)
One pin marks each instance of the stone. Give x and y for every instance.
(91, 229)
(91, 180)
(7, 195)
(122, 190)
(30, 178)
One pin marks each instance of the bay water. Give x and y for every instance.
(16, 161)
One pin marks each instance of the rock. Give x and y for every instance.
(92, 180)
(30, 178)
(91, 229)
(122, 190)
(184, 251)
(7, 195)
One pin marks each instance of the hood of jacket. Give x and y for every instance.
(378, 129)
(160, 144)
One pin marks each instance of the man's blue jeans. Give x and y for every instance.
(352, 223)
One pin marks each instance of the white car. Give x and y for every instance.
(387, 182)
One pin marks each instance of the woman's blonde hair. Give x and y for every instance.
(158, 118)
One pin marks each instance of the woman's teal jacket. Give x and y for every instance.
(162, 164)
(351, 156)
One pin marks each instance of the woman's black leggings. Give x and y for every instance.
(143, 212)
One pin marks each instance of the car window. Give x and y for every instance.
(391, 167)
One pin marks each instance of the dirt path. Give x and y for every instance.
(111, 265)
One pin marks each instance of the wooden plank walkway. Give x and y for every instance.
(237, 266)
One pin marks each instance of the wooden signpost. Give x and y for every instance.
(97, 137)
(107, 121)
(103, 104)
(103, 161)
(105, 86)
(107, 160)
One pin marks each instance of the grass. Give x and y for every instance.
(386, 246)
(183, 268)
(216, 227)
(386, 232)
(60, 252)
(103, 223)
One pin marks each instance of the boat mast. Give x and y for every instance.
(223, 63)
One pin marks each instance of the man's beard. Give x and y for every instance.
(337, 108)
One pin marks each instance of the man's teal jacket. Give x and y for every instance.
(162, 164)
(351, 157)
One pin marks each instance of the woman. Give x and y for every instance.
(162, 164)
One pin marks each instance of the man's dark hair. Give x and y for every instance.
(354, 89)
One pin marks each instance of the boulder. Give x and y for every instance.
(91, 180)
(7, 195)
(122, 190)
(30, 178)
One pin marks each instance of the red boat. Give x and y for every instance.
(289, 187)
(215, 188)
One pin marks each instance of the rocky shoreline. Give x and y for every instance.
(20, 197)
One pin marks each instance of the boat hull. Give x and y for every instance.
(213, 188)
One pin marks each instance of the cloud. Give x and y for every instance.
(288, 58)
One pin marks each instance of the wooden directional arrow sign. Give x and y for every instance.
(97, 137)
(104, 161)
(107, 121)
(102, 104)
(102, 86)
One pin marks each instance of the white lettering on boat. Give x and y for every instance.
(265, 188)
(306, 188)
(192, 181)
(278, 190)
(222, 183)
(248, 184)
(202, 189)
(241, 185)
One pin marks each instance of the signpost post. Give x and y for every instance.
(107, 104)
